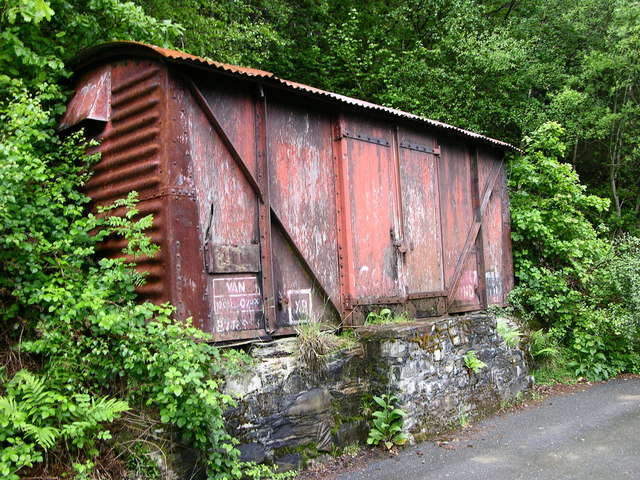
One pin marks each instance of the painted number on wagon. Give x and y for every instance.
(237, 303)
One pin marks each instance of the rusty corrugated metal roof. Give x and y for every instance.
(109, 49)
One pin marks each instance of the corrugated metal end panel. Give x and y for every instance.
(113, 48)
(131, 161)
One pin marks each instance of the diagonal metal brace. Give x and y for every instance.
(242, 165)
(472, 235)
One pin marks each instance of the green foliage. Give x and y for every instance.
(556, 247)
(510, 334)
(352, 450)
(572, 281)
(256, 472)
(550, 365)
(37, 35)
(140, 461)
(48, 264)
(38, 412)
(59, 293)
(463, 416)
(384, 316)
(544, 347)
(98, 351)
(387, 423)
(239, 32)
(472, 362)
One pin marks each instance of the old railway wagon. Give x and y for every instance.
(276, 203)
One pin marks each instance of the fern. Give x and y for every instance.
(37, 413)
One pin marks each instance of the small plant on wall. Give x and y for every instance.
(511, 335)
(385, 316)
(314, 345)
(472, 362)
(387, 423)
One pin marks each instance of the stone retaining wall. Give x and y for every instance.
(288, 414)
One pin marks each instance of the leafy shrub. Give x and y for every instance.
(571, 281)
(78, 318)
(555, 246)
(37, 412)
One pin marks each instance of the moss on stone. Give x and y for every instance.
(308, 451)
(424, 341)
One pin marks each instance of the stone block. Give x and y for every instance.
(252, 452)
(352, 432)
(313, 402)
(285, 409)
(292, 461)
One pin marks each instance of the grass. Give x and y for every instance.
(550, 374)
(314, 345)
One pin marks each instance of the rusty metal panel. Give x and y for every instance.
(302, 196)
(131, 160)
(186, 275)
(131, 146)
(91, 100)
(372, 198)
(421, 212)
(459, 228)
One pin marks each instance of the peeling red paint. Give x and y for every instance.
(276, 204)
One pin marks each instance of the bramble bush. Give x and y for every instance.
(571, 281)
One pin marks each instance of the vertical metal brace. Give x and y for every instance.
(478, 214)
(399, 235)
(343, 217)
(264, 209)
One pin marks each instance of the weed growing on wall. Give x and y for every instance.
(386, 428)
(314, 344)
(385, 316)
(510, 334)
(472, 362)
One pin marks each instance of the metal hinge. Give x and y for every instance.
(366, 138)
(420, 148)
